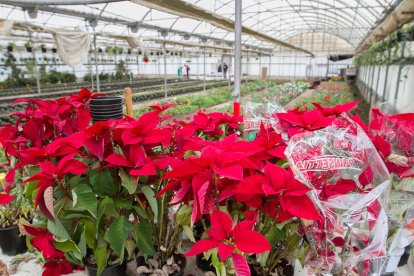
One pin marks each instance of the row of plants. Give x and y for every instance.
(106, 84)
(140, 94)
(29, 47)
(280, 93)
(109, 50)
(26, 76)
(333, 94)
(315, 189)
(388, 50)
(190, 104)
(177, 91)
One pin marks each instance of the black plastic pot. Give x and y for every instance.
(106, 108)
(44, 50)
(106, 112)
(106, 100)
(10, 48)
(405, 256)
(179, 259)
(10, 242)
(107, 116)
(29, 49)
(109, 108)
(115, 270)
(54, 50)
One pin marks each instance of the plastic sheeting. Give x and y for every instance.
(398, 131)
(6, 27)
(350, 186)
(257, 114)
(72, 46)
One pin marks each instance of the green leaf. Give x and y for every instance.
(56, 228)
(101, 255)
(128, 181)
(106, 206)
(263, 258)
(70, 214)
(130, 247)
(122, 203)
(82, 243)
(149, 194)
(140, 212)
(274, 236)
(90, 233)
(143, 233)
(30, 189)
(183, 216)
(84, 199)
(301, 252)
(68, 246)
(189, 232)
(118, 234)
(102, 182)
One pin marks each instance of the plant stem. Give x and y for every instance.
(344, 249)
(161, 217)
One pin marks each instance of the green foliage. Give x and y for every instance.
(60, 77)
(121, 71)
(388, 50)
(193, 103)
(18, 208)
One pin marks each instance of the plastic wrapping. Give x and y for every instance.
(401, 226)
(398, 131)
(255, 114)
(350, 186)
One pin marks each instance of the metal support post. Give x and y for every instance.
(386, 77)
(237, 52)
(98, 87)
(165, 71)
(400, 67)
(35, 67)
(204, 70)
(270, 63)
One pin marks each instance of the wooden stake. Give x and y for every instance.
(128, 102)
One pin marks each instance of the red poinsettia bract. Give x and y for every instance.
(281, 184)
(51, 174)
(42, 240)
(230, 240)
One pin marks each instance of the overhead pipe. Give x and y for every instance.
(402, 14)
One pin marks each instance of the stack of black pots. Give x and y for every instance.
(106, 108)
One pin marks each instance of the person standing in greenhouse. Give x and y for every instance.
(225, 67)
(179, 71)
(187, 69)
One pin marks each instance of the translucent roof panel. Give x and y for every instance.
(289, 20)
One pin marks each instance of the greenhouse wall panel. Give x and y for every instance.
(375, 81)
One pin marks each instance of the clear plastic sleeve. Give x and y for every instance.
(255, 114)
(350, 186)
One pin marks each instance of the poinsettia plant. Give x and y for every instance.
(329, 153)
(238, 191)
(393, 137)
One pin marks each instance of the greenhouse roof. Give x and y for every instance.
(348, 21)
